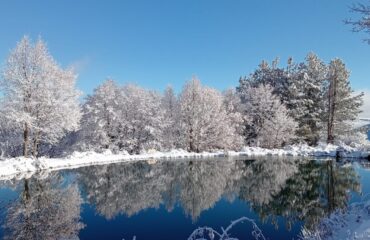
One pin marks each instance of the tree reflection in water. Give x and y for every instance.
(315, 191)
(297, 190)
(45, 209)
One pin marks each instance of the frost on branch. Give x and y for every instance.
(204, 233)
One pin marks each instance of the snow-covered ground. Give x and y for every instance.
(354, 223)
(23, 167)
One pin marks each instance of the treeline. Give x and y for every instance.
(272, 107)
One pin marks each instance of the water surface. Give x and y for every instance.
(170, 199)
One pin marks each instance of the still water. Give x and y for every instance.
(170, 199)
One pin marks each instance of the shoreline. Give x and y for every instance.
(20, 166)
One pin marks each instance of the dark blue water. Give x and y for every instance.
(170, 199)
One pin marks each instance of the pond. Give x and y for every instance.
(170, 199)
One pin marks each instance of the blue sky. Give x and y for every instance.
(156, 43)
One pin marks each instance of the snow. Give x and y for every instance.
(354, 223)
(322, 150)
(23, 167)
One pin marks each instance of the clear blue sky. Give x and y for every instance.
(155, 43)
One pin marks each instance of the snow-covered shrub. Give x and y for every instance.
(355, 139)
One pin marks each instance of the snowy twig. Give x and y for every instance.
(205, 233)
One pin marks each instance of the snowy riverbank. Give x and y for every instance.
(353, 223)
(14, 167)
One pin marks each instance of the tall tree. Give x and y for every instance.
(234, 109)
(270, 74)
(39, 96)
(171, 113)
(342, 106)
(122, 118)
(310, 79)
(205, 124)
(144, 119)
(101, 115)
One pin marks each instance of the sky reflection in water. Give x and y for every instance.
(169, 199)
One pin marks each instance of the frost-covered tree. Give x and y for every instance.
(309, 81)
(122, 118)
(205, 124)
(269, 74)
(102, 116)
(143, 119)
(269, 124)
(234, 109)
(341, 105)
(311, 94)
(10, 136)
(39, 96)
(171, 114)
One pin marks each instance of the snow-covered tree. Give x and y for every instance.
(309, 81)
(341, 105)
(39, 96)
(10, 136)
(171, 114)
(205, 124)
(143, 119)
(269, 124)
(234, 109)
(102, 116)
(122, 118)
(311, 94)
(268, 74)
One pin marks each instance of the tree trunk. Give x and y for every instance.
(332, 108)
(36, 145)
(191, 140)
(25, 140)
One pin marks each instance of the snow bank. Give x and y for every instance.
(352, 224)
(13, 167)
(322, 150)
